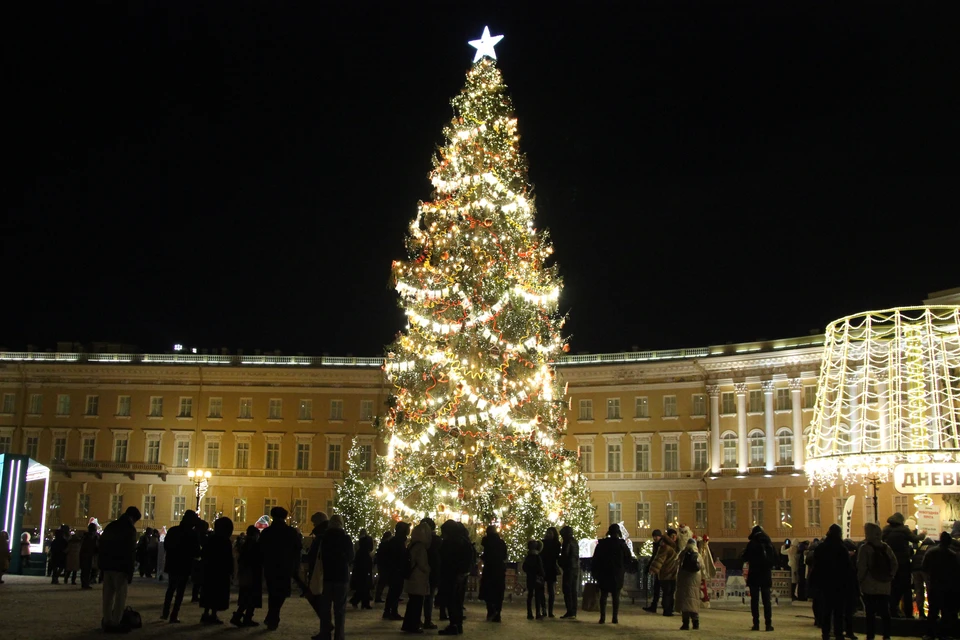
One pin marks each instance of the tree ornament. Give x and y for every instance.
(488, 222)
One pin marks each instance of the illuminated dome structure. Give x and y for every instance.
(888, 393)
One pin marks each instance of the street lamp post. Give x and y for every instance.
(200, 478)
(875, 483)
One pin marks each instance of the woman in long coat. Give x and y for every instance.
(217, 560)
(493, 581)
(609, 559)
(250, 579)
(361, 580)
(550, 554)
(688, 586)
(417, 585)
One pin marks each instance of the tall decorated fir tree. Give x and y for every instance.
(354, 497)
(474, 428)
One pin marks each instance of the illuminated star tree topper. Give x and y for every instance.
(485, 45)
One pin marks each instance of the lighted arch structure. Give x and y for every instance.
(888, 392)
(15, 472)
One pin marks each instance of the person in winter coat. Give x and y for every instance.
(761, 556)
(876, 567)
(417, 585)
(919, 577)
(89, 547)
(281, 546)
(142, 560)
(901, 540)
(249, 579)
(688, 585)
(831, 578)
(118, 544)
(361, 580)
(852, 600)
(202, 529)
(493, 585)
(58, 552)
(336, 553)
(943, 566)
(379, 559)
(665, 565)
(434, 559)
(802, 570)
(181, 546)
(789, 550)
(570, 566)
(4, 554)
(394, 568)
(550, 556)
(72, 566)
(217, 558)
(610, 559)
(656, 536)
(24, 551)
(533, 570)
(457, 559)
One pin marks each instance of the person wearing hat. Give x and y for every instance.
(656, 536)
(181, 546)
(762, 558)
(281, 546)
(831, 579)
(876, 567)
(610, 558)
(665, 565)
(942, 565)
(688, 585)
(117, 546)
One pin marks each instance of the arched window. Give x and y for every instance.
(729, 442)
(757, 444)
(784, 447)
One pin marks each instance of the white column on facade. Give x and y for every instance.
(743, 447)
(715, 460)
(769, 437)
(883, 411)
(796, 401)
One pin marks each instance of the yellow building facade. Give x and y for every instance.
(711, 437)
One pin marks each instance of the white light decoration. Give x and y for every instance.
(888, 393)
(484, 46)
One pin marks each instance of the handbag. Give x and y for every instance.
(131, 619)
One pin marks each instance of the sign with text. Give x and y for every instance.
(928, 519)
(934, 477)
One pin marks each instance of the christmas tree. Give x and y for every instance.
(354, 498)
(474, 428)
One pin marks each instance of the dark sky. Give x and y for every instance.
(242, 174)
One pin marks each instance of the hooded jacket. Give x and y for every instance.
(418, 584)
(667, 561)
(943, 565)
(870, 585)
(900, 538)
(831, 564)
(758, 553)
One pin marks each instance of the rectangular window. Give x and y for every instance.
(186, 408)
(838, 508)
(156, 406)
(63, 404)
(83, 505)
(116, 506)
(303, 456)
(208, 509)
(123, 406)
(614, 513)
(268, 504)
(299, 513)
(273, 455)
(809, 396)
(614, 459)
(729, 514)
(756, 512)
(700, 514)
(306, 410)
(181, 456)
(246, 408)
(641, 407)
(36, 404)
(213, 454)
(813, 512)
(783, 400)
(366, 410)
(88, 448)
(179, 507)
(333, 457)
(642, 456)
(243, 455)
(757, 450)
(785, 448)
(699, 405)
(669, 406)
(59, 449)
(672, 510)
(153, 451)
(93, 406)
(643, 515)
(613, 408)
(33, 447)
(671, 456)
(149, 507)
(901, 504)
(366, 457)
(276, 409)
(586, 458)
(785, 507)
(336, 409)
(730, 451)
(54, 502)
(9, 403)
(728, 402)
(586, 410)
(756, 401)
(699, 456)
(239, 510)
(6, 444)
(120, 449)
(215, 409)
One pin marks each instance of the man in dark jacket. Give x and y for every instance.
(89, 548)
(433, 557)
(831, 578)
(570, 566)
(181, 547)
(901, 541)
(118, 545)
(456, 561)
(761, 556)
(656, 579)
(943, 566)
(58, 553)
(281, 547)
(394, 567)
(493, 580)
(336, 553)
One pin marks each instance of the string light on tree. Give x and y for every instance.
(475, 425)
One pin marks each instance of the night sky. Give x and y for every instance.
(242, 174)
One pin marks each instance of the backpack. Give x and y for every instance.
(770, 555)
(880, 564)
(690, 562)
(408, 565)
